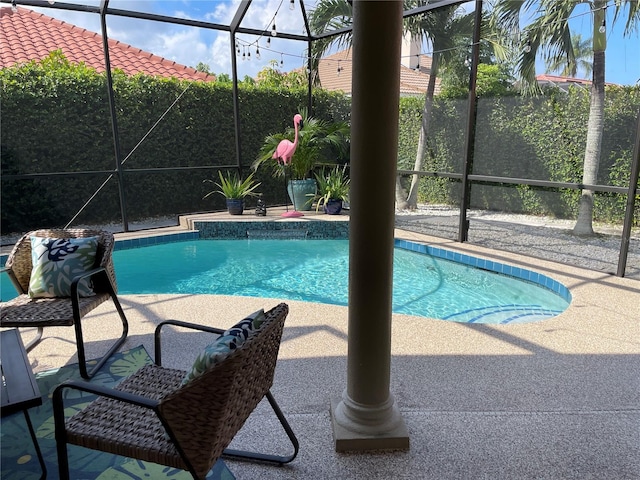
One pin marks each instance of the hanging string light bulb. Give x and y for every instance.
(248, 54)
(268, 42)
(14, 7)
(258, 51)
(244, 54)
(603, 27)
(274, 32)
(417, 69)
(339, 68)
(237, 49)
(292, 4)
(281, 60)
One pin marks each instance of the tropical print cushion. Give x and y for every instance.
(247, 326)
(57, 261)
(226, 343)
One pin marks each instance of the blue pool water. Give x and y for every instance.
(317, 271)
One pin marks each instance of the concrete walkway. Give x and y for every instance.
(557, 399)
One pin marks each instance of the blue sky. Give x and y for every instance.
(189, 45)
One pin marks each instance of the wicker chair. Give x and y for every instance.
(152, 416)
(24, 311)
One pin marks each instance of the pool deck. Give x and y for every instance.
(556, 399)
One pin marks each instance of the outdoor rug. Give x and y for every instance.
(19, 459)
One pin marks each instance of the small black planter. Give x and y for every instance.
(333, 206)
(235, 206)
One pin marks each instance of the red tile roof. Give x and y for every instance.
(27, 35)
(412, 82)
(545, 78)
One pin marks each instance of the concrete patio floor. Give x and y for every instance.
(556, 399)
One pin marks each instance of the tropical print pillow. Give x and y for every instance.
(57, 261)
(226, 343)
(247, 326)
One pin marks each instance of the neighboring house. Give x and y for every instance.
(563, 83)
(27, 35)
(335, 71)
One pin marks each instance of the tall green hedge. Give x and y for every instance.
(55, 118)
(540, 138)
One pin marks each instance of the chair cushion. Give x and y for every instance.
(57, 261)
(226, 343)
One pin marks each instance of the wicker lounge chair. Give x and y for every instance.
(25, 311)
(155, 417)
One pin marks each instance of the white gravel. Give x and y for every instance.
(541, 237)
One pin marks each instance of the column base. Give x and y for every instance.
(347, 440)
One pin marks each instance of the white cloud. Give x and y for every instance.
(220, 60)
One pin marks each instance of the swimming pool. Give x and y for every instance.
(426, 283)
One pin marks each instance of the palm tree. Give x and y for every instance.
(582, 59)
(550, 32)
(439, 27)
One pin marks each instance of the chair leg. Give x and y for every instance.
(31, 345)
(82, 360)
(281, 460)
(60, 434)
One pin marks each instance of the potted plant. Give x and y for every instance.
(316, 142)
(333, 189)
(234, 189)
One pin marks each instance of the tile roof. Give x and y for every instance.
(564, 80)
(28, 35)
(557, 80)
(335, 74)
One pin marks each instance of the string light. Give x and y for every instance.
(273, 33)
(603, 27)
(14, 7)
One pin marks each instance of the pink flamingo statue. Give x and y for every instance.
(283, 154)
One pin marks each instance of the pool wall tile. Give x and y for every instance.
(493, 266)
(237, 230)
(128, 243)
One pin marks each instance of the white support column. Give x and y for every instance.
(367, 417)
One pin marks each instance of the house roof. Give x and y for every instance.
(558, 81)
(28, 35)
(335, 74)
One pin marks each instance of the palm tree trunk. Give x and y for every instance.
(412, 200)
(584, 223)
(401, 195)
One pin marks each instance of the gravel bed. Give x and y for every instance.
(539, 237)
